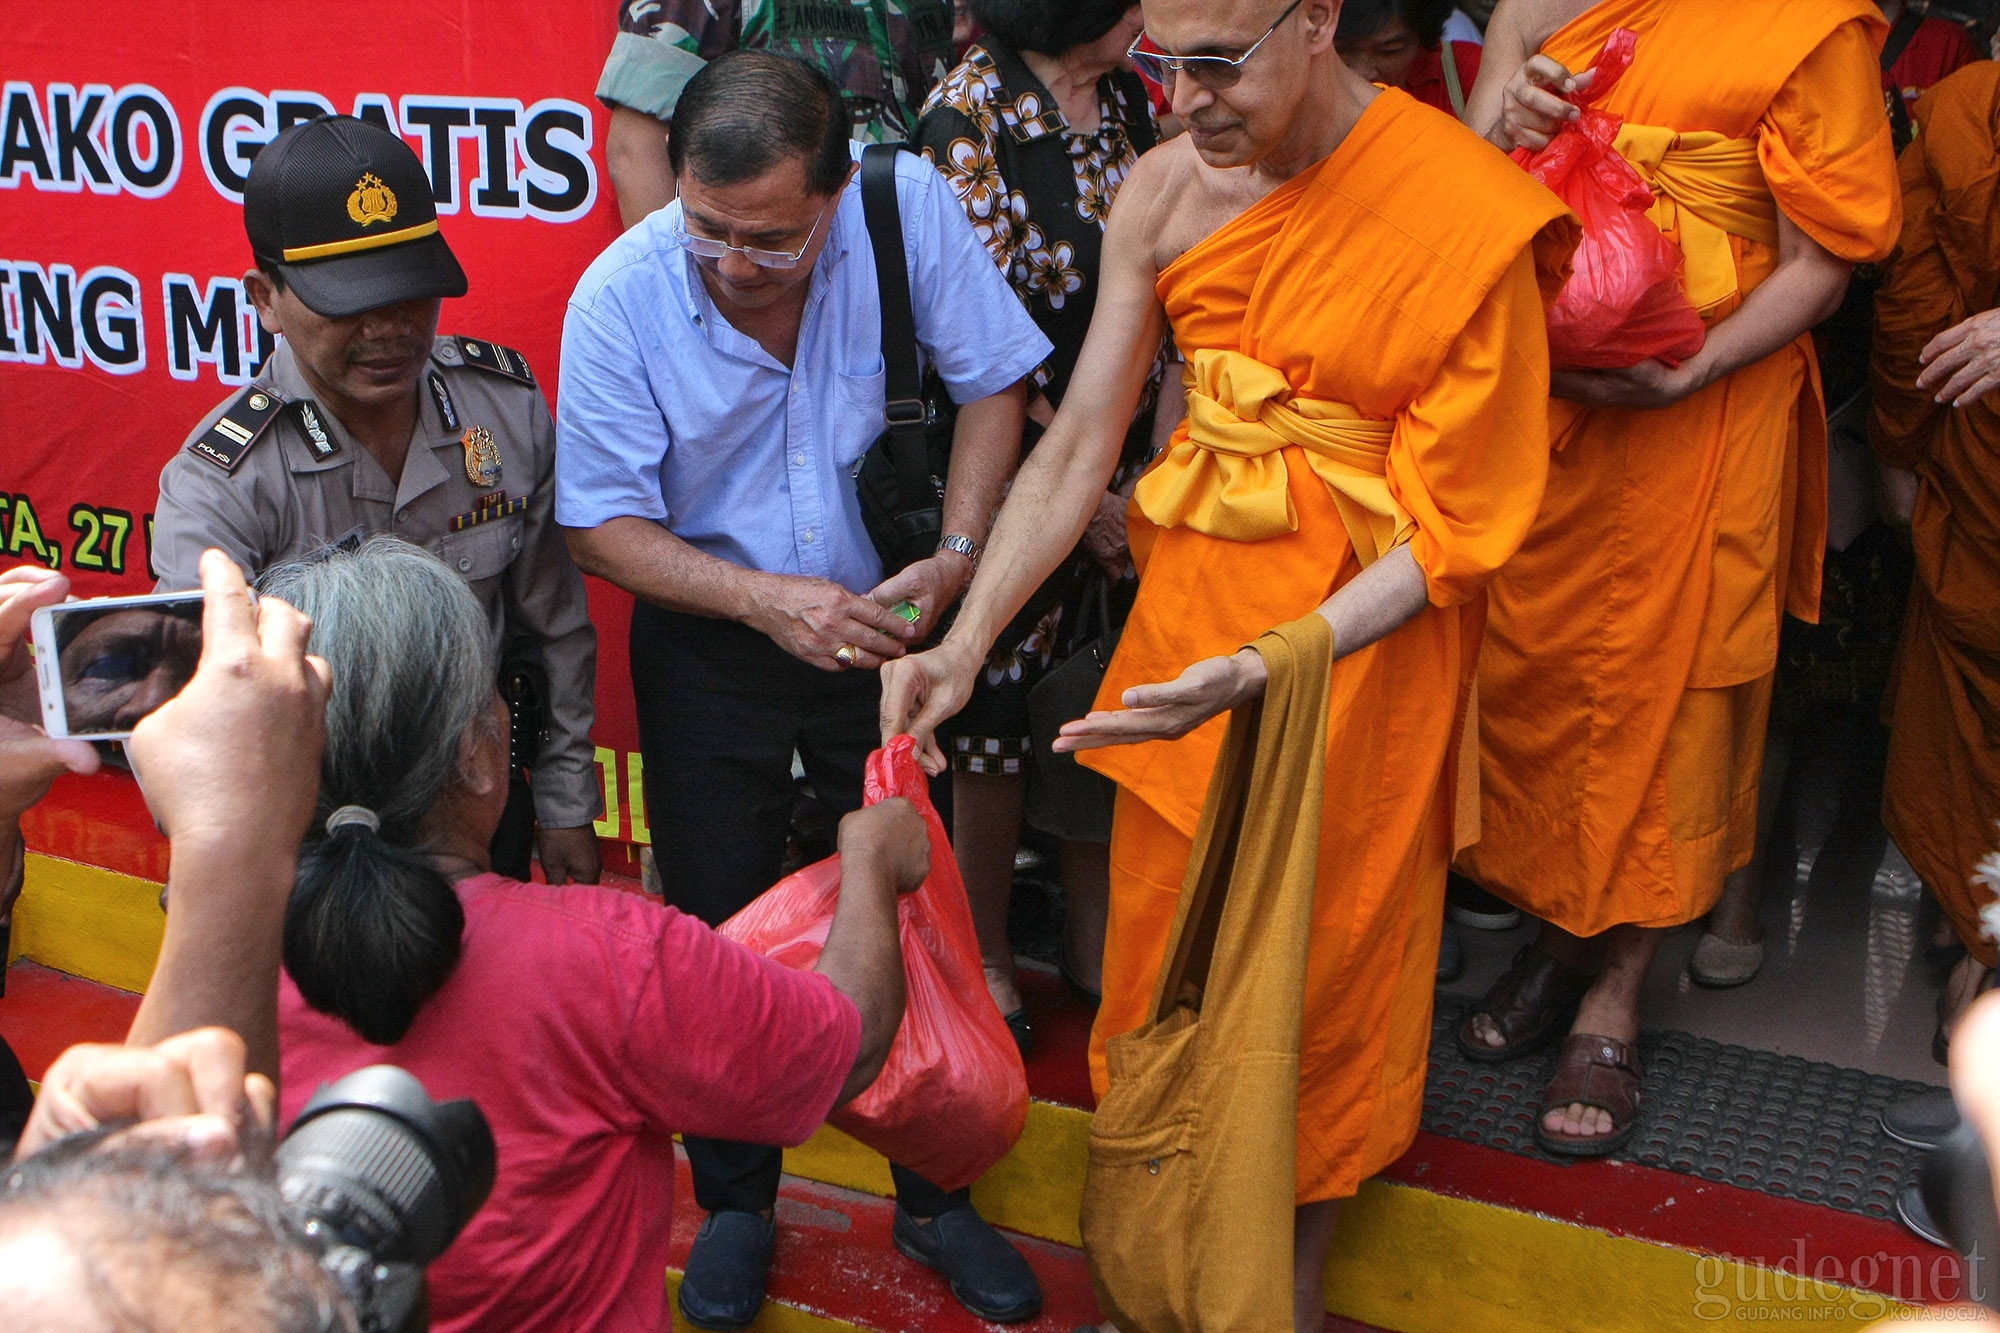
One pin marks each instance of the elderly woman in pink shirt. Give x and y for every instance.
(589, 1025)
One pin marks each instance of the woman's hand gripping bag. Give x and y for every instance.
(1624, 302)
(952, 1097)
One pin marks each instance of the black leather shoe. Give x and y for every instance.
(1922, 1121)
(1471, 905)
(1023, 1029)
(988, 1276)
(1913, 1213)
(723, 1287)
(1451, 957)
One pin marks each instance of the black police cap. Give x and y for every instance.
(344, 211)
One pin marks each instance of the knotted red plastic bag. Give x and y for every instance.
(952, 1097)
(1624, 302)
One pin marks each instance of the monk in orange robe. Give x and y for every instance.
(1941, 795)
(1358, 286)
(1626, 674)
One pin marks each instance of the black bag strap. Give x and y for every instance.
(1900, 33)
(904, 414)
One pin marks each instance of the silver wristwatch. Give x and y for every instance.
(964, 545)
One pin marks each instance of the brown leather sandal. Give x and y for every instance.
(1599, 1072)
(1532, 1005)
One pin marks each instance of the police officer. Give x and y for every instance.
(365, 421)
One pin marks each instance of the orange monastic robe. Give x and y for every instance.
(1377, 296)
(1626, 674)
(1941, 795)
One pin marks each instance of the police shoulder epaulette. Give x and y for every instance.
(493, 357)
(243, 422)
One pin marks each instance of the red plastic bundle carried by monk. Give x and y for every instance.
(1624, 302)
(952, 1097)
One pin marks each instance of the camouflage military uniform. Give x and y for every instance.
(885, 54)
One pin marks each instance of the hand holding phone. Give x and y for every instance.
(29, 759)
(106, 663)
(233, 761)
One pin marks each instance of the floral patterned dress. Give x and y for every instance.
(1038, 193)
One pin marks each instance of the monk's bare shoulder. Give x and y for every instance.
(1178, 202)
(1532, 22)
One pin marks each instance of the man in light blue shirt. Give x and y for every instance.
(722, 376)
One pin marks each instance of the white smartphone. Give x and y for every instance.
(103, 664)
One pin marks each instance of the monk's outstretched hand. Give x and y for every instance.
(1170, 711)
(923, 691)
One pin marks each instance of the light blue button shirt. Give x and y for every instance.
(669, 413)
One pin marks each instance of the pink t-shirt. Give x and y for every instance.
(591, 1026)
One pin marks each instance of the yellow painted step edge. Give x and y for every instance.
(89, 922)
(1405, 1258)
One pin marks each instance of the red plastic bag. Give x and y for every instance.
(952, 1097)
(1624, 302)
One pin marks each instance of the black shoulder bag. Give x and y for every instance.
(900, 480)
(1905, 27)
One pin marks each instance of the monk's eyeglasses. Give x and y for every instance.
(1215, 72)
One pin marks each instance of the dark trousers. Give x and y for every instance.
(721, 710)
(17, 1099)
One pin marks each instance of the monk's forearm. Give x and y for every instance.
(1381, 598)
(1053, 498)
(1805, 288)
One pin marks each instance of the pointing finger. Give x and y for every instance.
(226, 618)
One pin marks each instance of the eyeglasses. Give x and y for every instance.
(707, 247)
(1216, 72)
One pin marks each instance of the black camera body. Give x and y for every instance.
(382, 1180)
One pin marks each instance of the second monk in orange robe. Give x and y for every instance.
(1941, 795)
(1627, 669)
(1358, 284)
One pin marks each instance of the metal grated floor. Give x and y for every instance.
(1775, 1123)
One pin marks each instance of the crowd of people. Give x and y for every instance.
(1227, 316)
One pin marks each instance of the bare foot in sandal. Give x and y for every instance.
(1609, 1018)
(1528, 1007)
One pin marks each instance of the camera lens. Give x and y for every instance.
(373, 1163)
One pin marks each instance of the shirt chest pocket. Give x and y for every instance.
(857, 406)
(484, 551)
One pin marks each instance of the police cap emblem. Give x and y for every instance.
(372, 201)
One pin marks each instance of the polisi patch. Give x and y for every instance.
(495, 358)
(242, 423)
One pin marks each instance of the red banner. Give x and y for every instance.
(123, 148)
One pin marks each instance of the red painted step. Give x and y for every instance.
(45, 1011)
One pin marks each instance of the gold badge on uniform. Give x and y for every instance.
(482, 457)
(372, 201)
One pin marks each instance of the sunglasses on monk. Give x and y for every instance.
(1214, 72)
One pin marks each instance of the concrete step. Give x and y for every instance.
(1457, 1235)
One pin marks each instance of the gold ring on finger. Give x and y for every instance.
(847, 654)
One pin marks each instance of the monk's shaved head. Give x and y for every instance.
(1277, 91)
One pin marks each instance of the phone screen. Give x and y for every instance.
(117, 663)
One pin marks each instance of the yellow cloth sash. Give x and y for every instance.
(1711, 188)
(1226, 477)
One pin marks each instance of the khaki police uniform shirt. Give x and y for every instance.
(291, 492)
